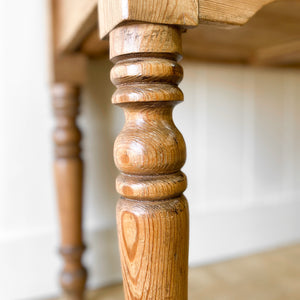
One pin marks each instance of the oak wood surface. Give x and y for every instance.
(176, 12)
(73, 20)
(274, 26)
(287, 53)
(152, 213)
(76, 18)
(68, 169)
(274, 31)
(93, 47)
(278, 23)
(229, 11)
(69, 67)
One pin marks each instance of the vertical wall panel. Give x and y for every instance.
(224, 135)
(248, 137)
(289, 138)
(295, 91)
(240, 124)
(269, 117)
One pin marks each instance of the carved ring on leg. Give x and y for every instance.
(152, 214)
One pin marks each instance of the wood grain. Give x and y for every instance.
(287, 53)
(274, 31)
(172, 12)
(73, 20)
(272, 275)
(153, 237)
(152, 214)
(68, 168)
(275, 25)
(229, 11)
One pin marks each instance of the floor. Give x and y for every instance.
(271, 275)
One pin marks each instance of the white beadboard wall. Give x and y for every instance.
(242, 129)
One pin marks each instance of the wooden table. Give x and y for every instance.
(145, 44)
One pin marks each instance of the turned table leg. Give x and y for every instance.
(68, 168)
(152, 213)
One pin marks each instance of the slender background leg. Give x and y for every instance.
(68, 168)
(152, 213)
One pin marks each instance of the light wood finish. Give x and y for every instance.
(93, 46)
(229, 11)
(273, 275)
(271, 37)
(273, 27)
(275, 24)
(73, 20)
(172, 12)
(68, 168)
(282, 54)
(76, 18)
(69, 68)
(152, 213)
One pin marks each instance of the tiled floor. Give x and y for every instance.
(271, 275)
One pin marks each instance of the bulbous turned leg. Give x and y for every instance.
(152, 213)
(68, 169)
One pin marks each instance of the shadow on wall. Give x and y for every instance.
(101, 122)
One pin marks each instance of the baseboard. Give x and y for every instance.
(33, 263)
(224, 235)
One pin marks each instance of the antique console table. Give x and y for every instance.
(145, 44)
